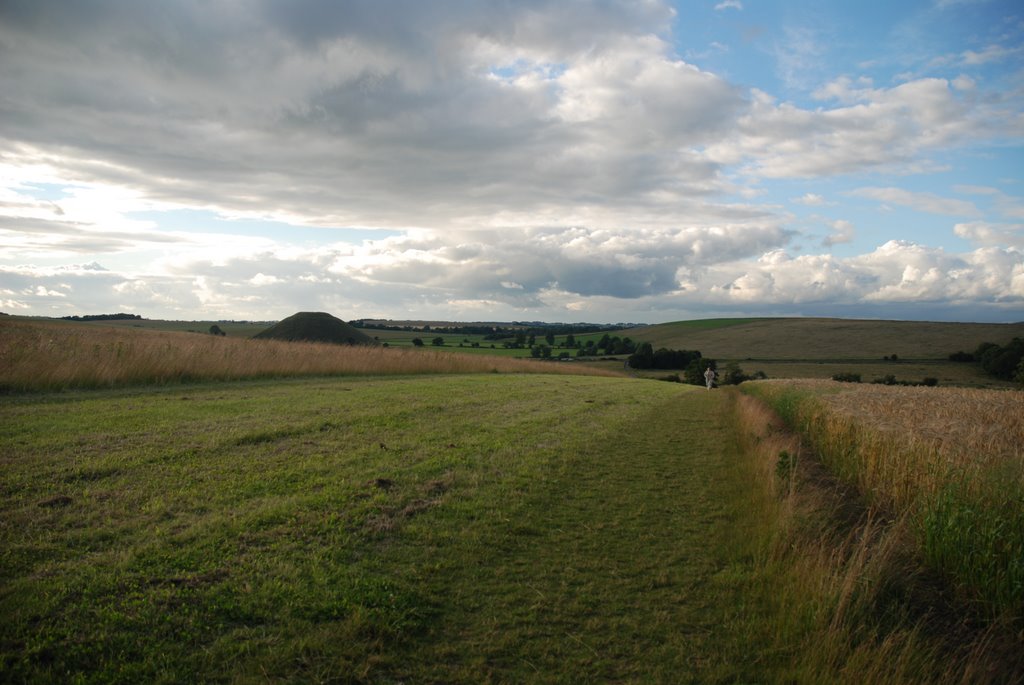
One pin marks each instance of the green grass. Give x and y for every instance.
(460, 528)
(456, 529)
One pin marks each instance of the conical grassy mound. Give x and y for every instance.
(315, 327)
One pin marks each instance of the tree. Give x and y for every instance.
(570, 340)
(437, 342)
(643, 358)
(695, 371)
(216, 330)
(550, 338)
(417, 342)
(734, 375)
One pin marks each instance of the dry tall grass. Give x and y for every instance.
(950, 459)
(841, 574)
(45, 356)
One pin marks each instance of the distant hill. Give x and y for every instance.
(825, 339)
(315, 327)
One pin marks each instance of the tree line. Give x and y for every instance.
(491, 331)
(102, 317)
(1002, 361)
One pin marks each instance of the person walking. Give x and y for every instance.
(709, 377)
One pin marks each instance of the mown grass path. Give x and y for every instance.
(485, 528)
(607, 572)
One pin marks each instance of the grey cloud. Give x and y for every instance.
(627, 263)
(366, 113)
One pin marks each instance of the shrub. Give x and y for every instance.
(694, 373)
(847, 377)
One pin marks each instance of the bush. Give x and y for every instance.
(694, 373)
(734, 375)
(847, 377)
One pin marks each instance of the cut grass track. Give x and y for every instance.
(455, 529)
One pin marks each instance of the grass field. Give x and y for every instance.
(460, 528)
(59, 355)
(445, 523)
(239, 329)
(782, 348)
(455, 529)
(826, 339)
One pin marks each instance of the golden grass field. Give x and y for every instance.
(825, 339)
(55, 355)
(951, 459)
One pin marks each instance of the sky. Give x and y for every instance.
(490, 160)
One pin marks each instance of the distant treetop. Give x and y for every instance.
(102, 317)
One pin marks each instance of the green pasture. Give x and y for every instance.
(485, 528)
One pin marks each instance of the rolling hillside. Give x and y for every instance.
(824, 339)
(315, 327)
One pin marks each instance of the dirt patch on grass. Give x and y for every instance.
(56, 502)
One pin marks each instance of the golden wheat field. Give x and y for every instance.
(965, 423)
(905, 442)
(45, 355)
(950, 459)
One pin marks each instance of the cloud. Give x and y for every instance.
(798, 56)
(870, 129)
(556, 273)
(990, 234)
(843, 232)
(362, 115)
(540, 157)
(897, 272)
(991, 53)
(810, 200)
(923, 202)
(1008, 206)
